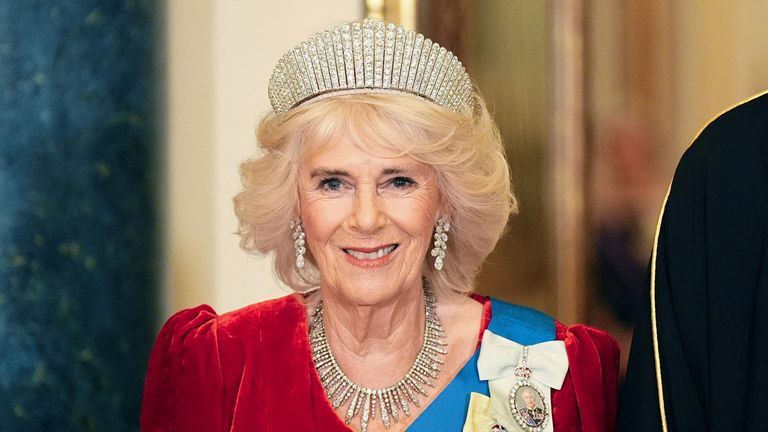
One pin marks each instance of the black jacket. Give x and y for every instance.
(711, 288)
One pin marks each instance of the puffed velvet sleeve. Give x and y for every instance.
(183, 390)
(587, 400)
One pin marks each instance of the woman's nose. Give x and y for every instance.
(367, 215)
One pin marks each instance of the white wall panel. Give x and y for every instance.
(221, 54)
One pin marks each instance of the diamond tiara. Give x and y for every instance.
(369, 56)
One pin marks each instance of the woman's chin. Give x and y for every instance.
(370, 291)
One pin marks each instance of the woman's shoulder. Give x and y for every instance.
(201, 330)
(286, 311)
(186, 328)
(202, 320)
(581, 333)
(199, 354)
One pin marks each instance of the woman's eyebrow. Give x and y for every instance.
(388, 171)
(324, 172)
(404, 169)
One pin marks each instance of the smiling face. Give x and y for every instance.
(368, 219)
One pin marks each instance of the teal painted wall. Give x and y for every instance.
(80, 158)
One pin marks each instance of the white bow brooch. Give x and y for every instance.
(520, 379)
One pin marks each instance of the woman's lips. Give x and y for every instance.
(370, 257)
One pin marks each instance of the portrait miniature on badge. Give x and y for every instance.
(529, 407)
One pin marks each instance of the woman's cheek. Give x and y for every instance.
(416, 214)
(322, 216)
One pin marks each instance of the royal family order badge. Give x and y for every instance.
(521, 379)
(527, 402)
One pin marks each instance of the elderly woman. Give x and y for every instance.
(382, 188)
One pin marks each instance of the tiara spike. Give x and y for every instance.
(330, 57)
(433, 69)
(421, 70)
(287, 80)
(317, 69)
(369, 56)
(349, 61)
(379, 53)
(454, 95)
(397, 59)
(357, 54)
(445, 72)
(302, 79)
(389, 55)
(338, 53)
(445, 63)
(410, 43)
(319, 48)
(415, 57)
(310, 70)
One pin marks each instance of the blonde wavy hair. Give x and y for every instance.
(464, 149)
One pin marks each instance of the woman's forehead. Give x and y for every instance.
(351, 142)
(347, 154)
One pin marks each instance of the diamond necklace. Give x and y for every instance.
(388, 401)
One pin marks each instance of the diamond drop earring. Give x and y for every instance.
(298, 241)
(441, 240)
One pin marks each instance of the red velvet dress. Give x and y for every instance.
(251, 370)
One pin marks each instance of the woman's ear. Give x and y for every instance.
(444, 212)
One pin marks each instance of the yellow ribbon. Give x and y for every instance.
(479, 418)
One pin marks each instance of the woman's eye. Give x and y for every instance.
(402, 182)
(332, 184)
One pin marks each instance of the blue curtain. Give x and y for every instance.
(80, 172)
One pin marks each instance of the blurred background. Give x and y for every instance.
(122, 124)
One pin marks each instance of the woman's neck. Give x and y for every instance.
(375, 345)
